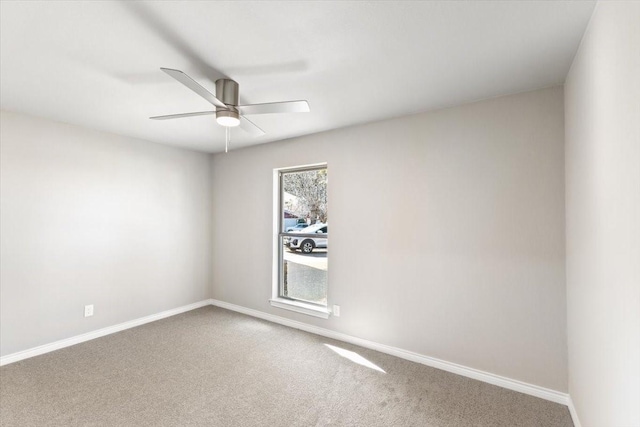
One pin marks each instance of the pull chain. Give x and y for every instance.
(227, 139)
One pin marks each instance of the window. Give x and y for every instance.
(302, 240)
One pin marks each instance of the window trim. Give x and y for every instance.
(311, 309)
(301, 307)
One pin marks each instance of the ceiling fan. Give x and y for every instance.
(228, 113)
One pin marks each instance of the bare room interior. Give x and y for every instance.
(169, 170)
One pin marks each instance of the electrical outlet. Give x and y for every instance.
(336, 310)
(88, 310)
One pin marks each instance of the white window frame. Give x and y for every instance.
(310, 309)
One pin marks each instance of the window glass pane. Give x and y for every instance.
(305, 275)
(304, 197)
(304, 238)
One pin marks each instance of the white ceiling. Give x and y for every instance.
(96, 64)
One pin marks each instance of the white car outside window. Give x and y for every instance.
(308, 244)
(297, 227)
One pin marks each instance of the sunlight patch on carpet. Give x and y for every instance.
(355, 358)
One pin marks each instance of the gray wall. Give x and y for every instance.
(94, 218)
(447, 232)
(603, 218)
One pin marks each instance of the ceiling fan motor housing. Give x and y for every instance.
(227, 91)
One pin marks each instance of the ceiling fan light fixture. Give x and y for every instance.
(228, 118)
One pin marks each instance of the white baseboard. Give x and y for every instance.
(46, 348)
(508, 383)
(574, 413)
(511, 384)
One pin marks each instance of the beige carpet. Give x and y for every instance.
(213, 367)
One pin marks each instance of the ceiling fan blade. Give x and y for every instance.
(275, 107)
(179, 116)
(194, 86)
(250, 127)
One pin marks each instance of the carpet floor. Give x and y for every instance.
(214, 367)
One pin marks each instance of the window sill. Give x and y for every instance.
(300, 307)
